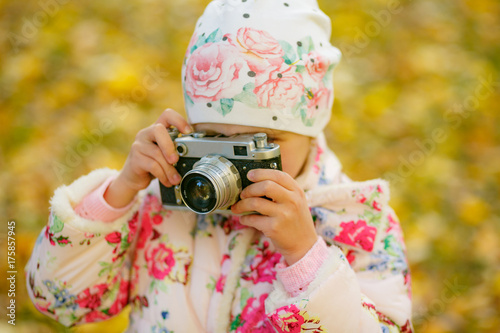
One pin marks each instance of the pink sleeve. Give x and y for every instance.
(94, 207)
(296, 278)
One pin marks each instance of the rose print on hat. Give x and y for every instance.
(316, 65)
(318, 99)
(261, 51)
(213, 73)
(262, 64)
(259, 43)
(283, 88)
(253, 68)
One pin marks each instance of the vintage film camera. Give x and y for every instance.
(214, 169)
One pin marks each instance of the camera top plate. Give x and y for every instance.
(240, 146)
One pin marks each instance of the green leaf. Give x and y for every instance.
(245, 295)
(124, 244)
(152, 286)
(387, 241)
(214, 37)
(236, 323)
(373, 196)
(233, 242)
(162, 286)
(305, 46)
(215, 105)
(300, 69)
(307, 121)
(249, 87)
(114, 291)
(301, 107)
(199, 43)
(106, 268)
(289, 55)
(57, 225)
(372, 218)
(252, 252)
(226, 105)
(211, 284)
(188, 99)
(247, 96)
(328, 77)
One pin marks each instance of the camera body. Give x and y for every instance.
(214, 169)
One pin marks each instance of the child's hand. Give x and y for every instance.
(286, 220)
(152, 155)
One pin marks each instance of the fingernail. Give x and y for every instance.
(250, 174)
(172, 158)
(176, 178)
(188, 129)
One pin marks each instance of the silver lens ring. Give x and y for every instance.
(224, 179)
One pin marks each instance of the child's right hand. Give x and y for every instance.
(152, 155)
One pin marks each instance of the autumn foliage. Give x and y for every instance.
(416, 102)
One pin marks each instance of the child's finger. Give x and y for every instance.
(165, 143)
(259, 222)
(171, 118)
(152, 166)
(158, 135)
(259, 205)
(266, 188)
(153, 151)
(277, 176)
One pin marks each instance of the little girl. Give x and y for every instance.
(323, 254)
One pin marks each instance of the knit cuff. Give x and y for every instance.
(94, 207)
(296, 278)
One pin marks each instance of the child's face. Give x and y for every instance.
(294, 147)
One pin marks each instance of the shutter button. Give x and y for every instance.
(260, 140)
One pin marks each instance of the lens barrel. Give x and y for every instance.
(213, 183)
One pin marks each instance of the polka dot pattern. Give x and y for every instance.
(265, 71)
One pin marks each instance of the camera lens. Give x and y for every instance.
(200, 193)
(213, 183)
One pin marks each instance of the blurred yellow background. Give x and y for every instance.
(417, 102)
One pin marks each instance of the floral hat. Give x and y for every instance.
(262, 63)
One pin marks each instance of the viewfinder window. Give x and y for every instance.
(240, 151)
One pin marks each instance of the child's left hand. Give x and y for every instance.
(286, 220)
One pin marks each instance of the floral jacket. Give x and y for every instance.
(182, 272)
